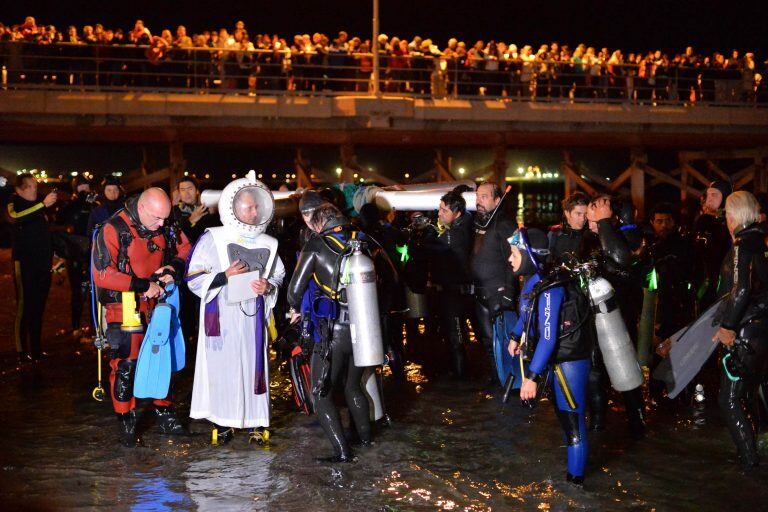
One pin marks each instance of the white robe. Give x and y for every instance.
(223, 389)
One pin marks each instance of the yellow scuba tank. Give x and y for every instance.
(131, 316)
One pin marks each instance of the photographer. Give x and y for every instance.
(32, 259)
(114, 201)
(192, 218)
(74, 216)
(449, 256)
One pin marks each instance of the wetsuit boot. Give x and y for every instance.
(740, 424)
(635, 406)
(127, 428)
(456, 340)
(598, 402)
(168, 422)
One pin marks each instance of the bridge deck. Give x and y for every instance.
(132, 117)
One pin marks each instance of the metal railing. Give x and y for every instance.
(66, 66)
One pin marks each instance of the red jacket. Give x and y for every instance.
(141, 261)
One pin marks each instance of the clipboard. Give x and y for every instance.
(239, 287)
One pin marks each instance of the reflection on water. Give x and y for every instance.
(539, 208)
(232, 479)
(452, 446)
(153, 492)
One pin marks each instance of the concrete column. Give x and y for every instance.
(500, 166)
(637, 181)
(176, 165)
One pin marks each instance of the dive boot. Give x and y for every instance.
(221, 435)
(127, 426)
(575, 480)
(168, 422)
(259, 436)
(597, 422)
(333, 459)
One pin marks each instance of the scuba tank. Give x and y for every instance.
(618, 352)
(371, 389)
(363, 304)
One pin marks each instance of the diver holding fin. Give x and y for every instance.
(134, 250)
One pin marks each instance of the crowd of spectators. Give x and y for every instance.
(243, 61)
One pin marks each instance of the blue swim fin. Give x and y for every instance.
(153, 368)
(505, 363)
(501, 335)
(178, 345)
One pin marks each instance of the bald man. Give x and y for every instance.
(135, 250)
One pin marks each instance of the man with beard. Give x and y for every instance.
(712, 241)
(493, 279)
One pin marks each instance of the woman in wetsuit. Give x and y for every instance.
(558, 337)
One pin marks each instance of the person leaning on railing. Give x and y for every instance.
(314, 64)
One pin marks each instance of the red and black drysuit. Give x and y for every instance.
(126, 255)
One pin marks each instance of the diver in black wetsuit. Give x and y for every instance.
(565, 239)
(495, 285)
(332, 361)
(744, 325)
(712, 242)
(449, 255)
(613, 249)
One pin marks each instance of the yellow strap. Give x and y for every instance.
(564, 386)
(335, 240)
(32, 209)
(196, 273)
(327, 289)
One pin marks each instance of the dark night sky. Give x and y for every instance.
(638, 25)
